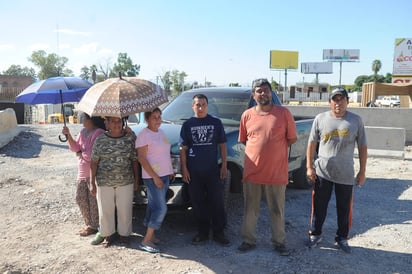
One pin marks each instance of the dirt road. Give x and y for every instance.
(40, 221)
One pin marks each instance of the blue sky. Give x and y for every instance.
(217, 41)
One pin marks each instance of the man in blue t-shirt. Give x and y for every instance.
(201, 138)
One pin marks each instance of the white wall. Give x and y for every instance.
(373, 117)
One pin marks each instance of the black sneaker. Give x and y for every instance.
(282, 250)
(246, 247)
(221, 239)
(314, 240)
(343, 244)
(199, 239)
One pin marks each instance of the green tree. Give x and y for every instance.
(85, 73)
(104, 71)
(388, 78)
(360, 80)
(376, 67)
(50, 65)
(90, 73)
(234, 85)
(17, 70)
(174, 79)
(177, 81)
(166, 81)
(124, 66)
(274, 84)
(195, 84)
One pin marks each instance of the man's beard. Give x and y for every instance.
(264, 102)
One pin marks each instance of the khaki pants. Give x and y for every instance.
(110, 199)
(275, 199)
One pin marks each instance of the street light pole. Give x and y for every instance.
(286, 79)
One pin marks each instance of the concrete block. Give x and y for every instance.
(386, 142)
(8, 126)
(386, 138)
(8, 120)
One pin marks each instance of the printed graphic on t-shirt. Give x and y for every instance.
(336, 133)
(202, 135)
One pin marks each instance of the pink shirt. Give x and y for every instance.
(84, 143)
(266, 151)
(158, 151)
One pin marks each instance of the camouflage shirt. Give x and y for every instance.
(115, 157)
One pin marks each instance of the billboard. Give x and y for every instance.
(341, 55)
(402, 61)
(280, 59)
(316, 67)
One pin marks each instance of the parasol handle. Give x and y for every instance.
(61, 138)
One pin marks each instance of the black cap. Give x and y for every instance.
(261, 82)
(338, 91)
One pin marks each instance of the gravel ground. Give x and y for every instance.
(40, 221)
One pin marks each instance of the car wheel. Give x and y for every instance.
(299, 179)
(233, 197)
(236, 178)
(226, 189)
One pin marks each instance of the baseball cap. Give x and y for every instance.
(338, 91)
(260, 82)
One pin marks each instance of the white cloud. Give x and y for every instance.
(106, 53)
(86, 49)
(64, 46)
(73, 32)
(38, 46)
(5, 47)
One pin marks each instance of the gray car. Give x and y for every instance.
(228, 104)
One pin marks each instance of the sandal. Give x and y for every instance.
(98, 239)
(148, 248)
(107, 242)
(87, 231)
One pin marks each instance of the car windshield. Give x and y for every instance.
(227, 106)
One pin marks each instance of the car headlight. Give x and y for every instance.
(176, 164)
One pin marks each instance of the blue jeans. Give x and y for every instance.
(156, 205)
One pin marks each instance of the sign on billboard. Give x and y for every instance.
(316, 67)
(341, 55)
(402, 61)
(280, 59)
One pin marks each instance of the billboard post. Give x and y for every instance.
(280, 59)
(316, 68)
(341, 55)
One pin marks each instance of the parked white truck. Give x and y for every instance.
(388, 101)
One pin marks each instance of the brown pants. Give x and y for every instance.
(275, 199)
(87, 204)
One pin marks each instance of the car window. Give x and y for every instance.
(228, 106)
